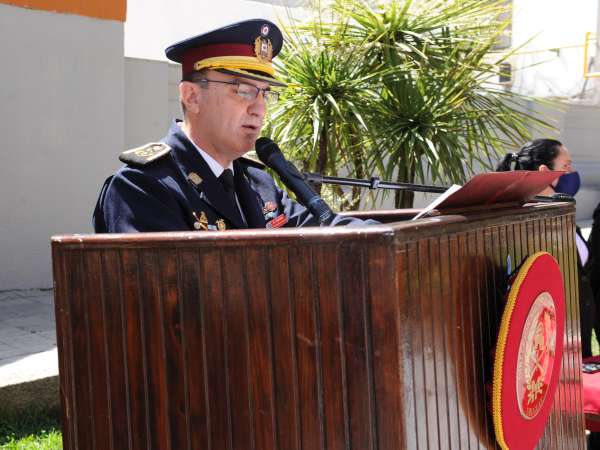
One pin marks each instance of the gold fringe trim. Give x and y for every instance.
(235, 63)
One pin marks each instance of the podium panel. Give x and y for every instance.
(376, 337)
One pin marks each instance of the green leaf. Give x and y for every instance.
(400, 90)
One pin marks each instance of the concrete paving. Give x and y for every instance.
(28, 357)
(27, 328)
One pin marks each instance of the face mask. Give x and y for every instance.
(568, 183)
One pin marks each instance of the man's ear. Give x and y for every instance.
(544, 168)
(189, 94)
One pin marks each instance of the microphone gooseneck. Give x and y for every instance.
(270, 154)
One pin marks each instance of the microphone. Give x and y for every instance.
(270, 154)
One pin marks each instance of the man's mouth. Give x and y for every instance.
(251, 127)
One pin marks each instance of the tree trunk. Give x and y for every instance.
(359, 172)
(322, 158)
(405, 199)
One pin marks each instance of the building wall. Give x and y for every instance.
(548, 36)
(61, 109)
(146, 101)
(153, 25)
(579, 131)
(151, 100)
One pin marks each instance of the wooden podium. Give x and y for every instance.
(376, 337)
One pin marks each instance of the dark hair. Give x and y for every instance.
(531, 156)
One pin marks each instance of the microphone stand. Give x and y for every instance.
(554, 198)
(373, 183)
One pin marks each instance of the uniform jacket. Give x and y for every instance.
(177, 192)
(587, 306)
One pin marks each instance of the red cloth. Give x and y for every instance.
(591, 397)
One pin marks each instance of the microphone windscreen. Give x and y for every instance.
(265, 147)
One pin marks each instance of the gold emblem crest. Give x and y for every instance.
(263, 49)
(221, 225)
(201, 222)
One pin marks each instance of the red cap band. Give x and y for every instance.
(193, 55)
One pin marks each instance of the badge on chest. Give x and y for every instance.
(201, 223)
(269, 210)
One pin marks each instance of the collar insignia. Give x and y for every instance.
(194, 178)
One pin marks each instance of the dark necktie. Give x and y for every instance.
(228, 183)
(226, 179)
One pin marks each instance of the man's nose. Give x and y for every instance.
(259, 106)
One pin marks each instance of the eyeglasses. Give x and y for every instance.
(248, 91)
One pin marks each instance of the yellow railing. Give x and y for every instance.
(589, 37)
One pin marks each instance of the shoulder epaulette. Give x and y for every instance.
(251, 159)
(145, 154)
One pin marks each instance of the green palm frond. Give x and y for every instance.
(398, 89)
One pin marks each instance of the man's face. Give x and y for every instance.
(228, 123)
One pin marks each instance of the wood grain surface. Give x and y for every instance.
(351, 338)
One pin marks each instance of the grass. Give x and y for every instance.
(36, 430)
(51, 440)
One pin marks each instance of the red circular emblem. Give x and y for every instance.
(528, 353)
(536, 355)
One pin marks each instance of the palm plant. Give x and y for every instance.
(401, 89)
(319, 120)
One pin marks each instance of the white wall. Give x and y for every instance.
(153, 25)
(61, 110)
(545, 25)
(151, 100)
(146, 101)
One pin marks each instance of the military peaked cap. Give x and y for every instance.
(244, 49)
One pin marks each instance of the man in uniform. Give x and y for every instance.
(197, 177)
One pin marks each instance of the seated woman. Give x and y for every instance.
(550, 154)
(543, 155)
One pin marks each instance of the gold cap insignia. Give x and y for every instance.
(221, 225)
(263, 49)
